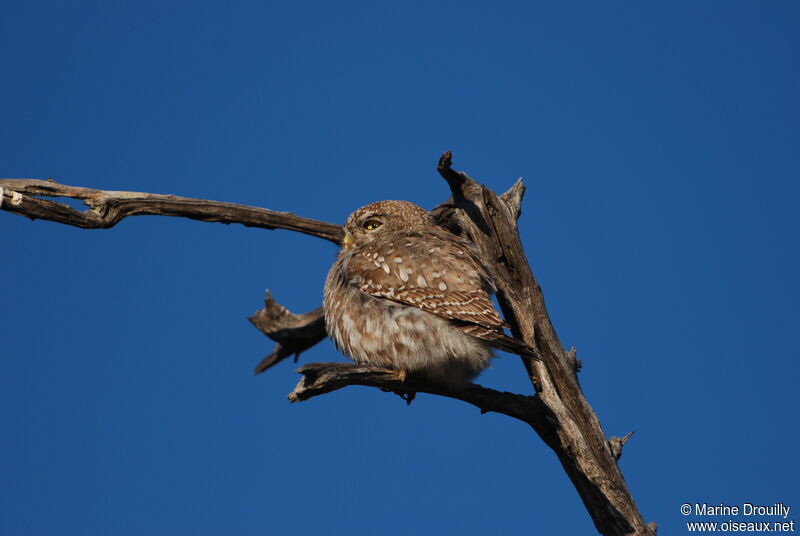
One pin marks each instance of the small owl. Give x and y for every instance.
(407, 295)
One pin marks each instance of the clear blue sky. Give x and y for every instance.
(660, 146)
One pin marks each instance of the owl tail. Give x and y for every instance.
(501, 341)
(515, 346)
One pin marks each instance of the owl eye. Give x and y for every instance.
(371, 225)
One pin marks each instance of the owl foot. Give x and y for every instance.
(408, 396)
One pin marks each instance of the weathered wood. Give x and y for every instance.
(107, 208)
(292, 333)
(558, 412)
(577, 439)
(321, 378)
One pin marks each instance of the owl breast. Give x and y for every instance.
(380, 332)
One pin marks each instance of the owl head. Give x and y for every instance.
(380, 218)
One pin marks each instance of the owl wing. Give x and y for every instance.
(440, 275)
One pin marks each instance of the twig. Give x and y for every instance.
(616, 443)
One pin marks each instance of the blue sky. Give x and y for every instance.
(659, 143)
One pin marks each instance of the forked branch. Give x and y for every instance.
(292, 333)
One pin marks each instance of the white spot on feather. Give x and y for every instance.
(442, 285)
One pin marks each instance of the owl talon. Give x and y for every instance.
(408, 397)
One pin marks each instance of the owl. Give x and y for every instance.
(407, 295)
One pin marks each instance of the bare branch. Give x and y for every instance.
(513, 198)
(292, 333)
(107, 208)
(616, 444)
(321, 378)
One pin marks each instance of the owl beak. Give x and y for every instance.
(348, 241)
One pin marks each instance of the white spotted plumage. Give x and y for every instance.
(408, 295)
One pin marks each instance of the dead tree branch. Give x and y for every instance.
(321, 378)
(107, 208)
(559, 413)
(578, 440)
(293, 334)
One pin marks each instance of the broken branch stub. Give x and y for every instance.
(292, 333)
